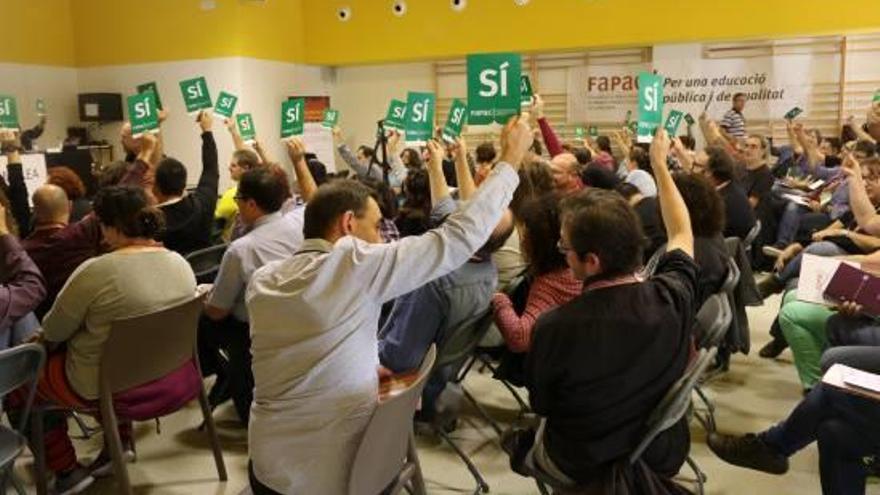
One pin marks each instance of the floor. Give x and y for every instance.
(754, 394)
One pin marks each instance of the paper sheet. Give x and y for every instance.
(816, 273)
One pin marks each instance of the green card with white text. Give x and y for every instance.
(143, 113)
(8, 113)
(293, 114)
(331, 117)
(396, 115)
(195, 94)
(246, 129)
(456, 120)
(225, 106)
(419, 116)
(673, 120)
(151, 86)
(650, 106)
(494, 84)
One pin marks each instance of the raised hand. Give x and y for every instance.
(537, 106)
(296, 150)
(660, 149)
(851, 167)
(205, 120)
(436, 153)
(516, 139)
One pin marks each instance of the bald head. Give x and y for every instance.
(566, 173)
(51, 205)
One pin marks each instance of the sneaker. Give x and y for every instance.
(772, 251)
(73, 481)
(102, 466)
(773, 349)
(747, 451)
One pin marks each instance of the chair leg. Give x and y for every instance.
(417, 481)
(37, 448)
(114, 444)
(701, 476)
(709, 422)
(524, 408)
(87, 431)
(482, 486)
(212, 433)
(480, 409)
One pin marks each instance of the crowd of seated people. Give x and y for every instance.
(329, 287)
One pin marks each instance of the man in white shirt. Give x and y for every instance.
(314, 321)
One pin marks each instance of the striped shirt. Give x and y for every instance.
(734, 124)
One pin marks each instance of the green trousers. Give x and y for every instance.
(803, 324)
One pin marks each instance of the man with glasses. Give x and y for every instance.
(271, 236)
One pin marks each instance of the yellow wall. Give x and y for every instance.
(135, 31)
(431, 29)
(37, 32)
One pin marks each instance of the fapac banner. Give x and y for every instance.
(604, 93)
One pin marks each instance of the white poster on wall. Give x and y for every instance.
(319, 140)
(774, 86)
(34, 168)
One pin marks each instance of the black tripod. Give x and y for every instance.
(381, 141)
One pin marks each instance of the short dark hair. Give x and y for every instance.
(127, 209)
(866, 148)
(737, 95)
(384, 196)
(318, 171)
(604, 144)
(171, 177)
(603, 223)
(537, 148)
(642, 159)
(627, 190)
(111, 174)
(540, 217)
(689, 142)
(486, 152)
(265, 186)
(330, 202)
(720, 163)
(595, 175)
(835, 143)
(366, 150)
(583, 155)
(704, 204)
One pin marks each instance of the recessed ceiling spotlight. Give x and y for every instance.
(344, 14)
(458, 5)
(399, 8)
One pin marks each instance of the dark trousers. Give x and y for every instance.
(233, 365)
(256, 487)
(844, 425)
(845, 330)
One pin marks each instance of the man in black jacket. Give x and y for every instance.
(189, 217)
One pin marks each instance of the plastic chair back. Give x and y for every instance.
(18, 366)
(674, 404)
(732, 279)
(752, 236)
(713, 319)
(460, 343)
(206, 262)
(383, 451)
(145, 348)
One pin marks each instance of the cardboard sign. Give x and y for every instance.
(525, 90)
(650, 106)
(493, 82)
(225, 104)
(456, 120)
(143, 113)
(396, 115)
(331, 117)
(689, 119)
(195, 94)
(673, 120)
(151, 86)
(419, 117)
(293, 117)
(246, 128)
(8, 113)
(793, 113)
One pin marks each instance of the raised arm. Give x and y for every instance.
(23, 288)
(554, 147)
(792, 138)
(18, 193)
(237, 141)
(436, 179)
(685, 159)
(209, 180)
(296, 150)
(463, 176)
(859, 202)
(860, 133)
(350, 159)
(810, 147)
(674, 211)
(390, 270)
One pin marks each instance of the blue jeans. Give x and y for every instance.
(822, 248)
(789, 223)
(849, 331)
(844, 426)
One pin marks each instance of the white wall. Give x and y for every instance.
(55, 85)
(260, 85)
(362, 94)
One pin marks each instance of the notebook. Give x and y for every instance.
(852, 284)
(854, 381)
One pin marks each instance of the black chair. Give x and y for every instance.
(206, 262)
